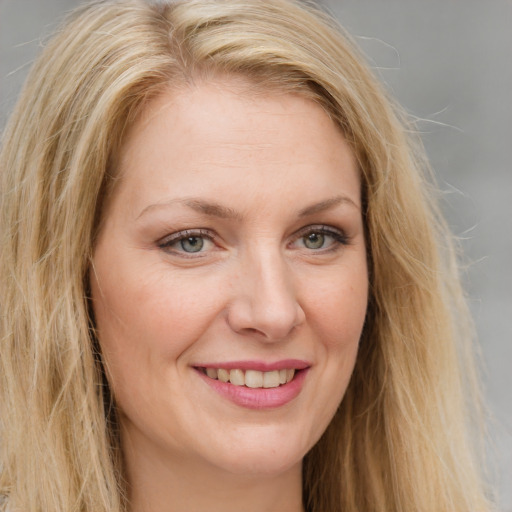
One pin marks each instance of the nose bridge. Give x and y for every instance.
(266, 299)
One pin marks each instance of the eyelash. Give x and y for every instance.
(339, 237)
(170, 240)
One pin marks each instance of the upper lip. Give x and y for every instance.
(262, 366)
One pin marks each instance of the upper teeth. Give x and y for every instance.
(252, 378)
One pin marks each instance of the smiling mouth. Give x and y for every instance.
(251, 378)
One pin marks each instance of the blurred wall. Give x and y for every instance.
(449, 62)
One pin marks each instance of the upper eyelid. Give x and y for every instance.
(178, 235)
(321, 228)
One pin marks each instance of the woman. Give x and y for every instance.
(224, 282)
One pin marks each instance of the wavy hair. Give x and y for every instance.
(402, 438)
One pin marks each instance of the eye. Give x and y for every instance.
(314, 240)
(192, 243)
(320, 238)
(188, 242)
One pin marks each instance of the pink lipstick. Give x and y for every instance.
(256, 384)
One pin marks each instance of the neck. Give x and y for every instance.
(159, 482)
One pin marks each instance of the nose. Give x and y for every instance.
(264, 301)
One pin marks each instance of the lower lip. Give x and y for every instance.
(258, 398)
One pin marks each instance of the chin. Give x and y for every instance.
(262, 464)
(262, 455)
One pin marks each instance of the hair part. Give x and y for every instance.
(400, 439)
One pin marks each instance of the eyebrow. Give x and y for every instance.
(199, 205)
(214, 209)
(327, 205)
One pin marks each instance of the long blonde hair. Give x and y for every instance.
(401, 439)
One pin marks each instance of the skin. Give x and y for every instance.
(277, 170)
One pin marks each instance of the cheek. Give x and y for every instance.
(338, 308)
(336, 317)
(141, 314)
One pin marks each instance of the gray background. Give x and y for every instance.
(449, 63)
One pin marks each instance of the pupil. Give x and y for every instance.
(314, 241)
(192, 244)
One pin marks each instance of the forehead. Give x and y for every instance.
(202, 138)
(228, 101)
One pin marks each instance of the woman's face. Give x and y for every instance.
(229, 279)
